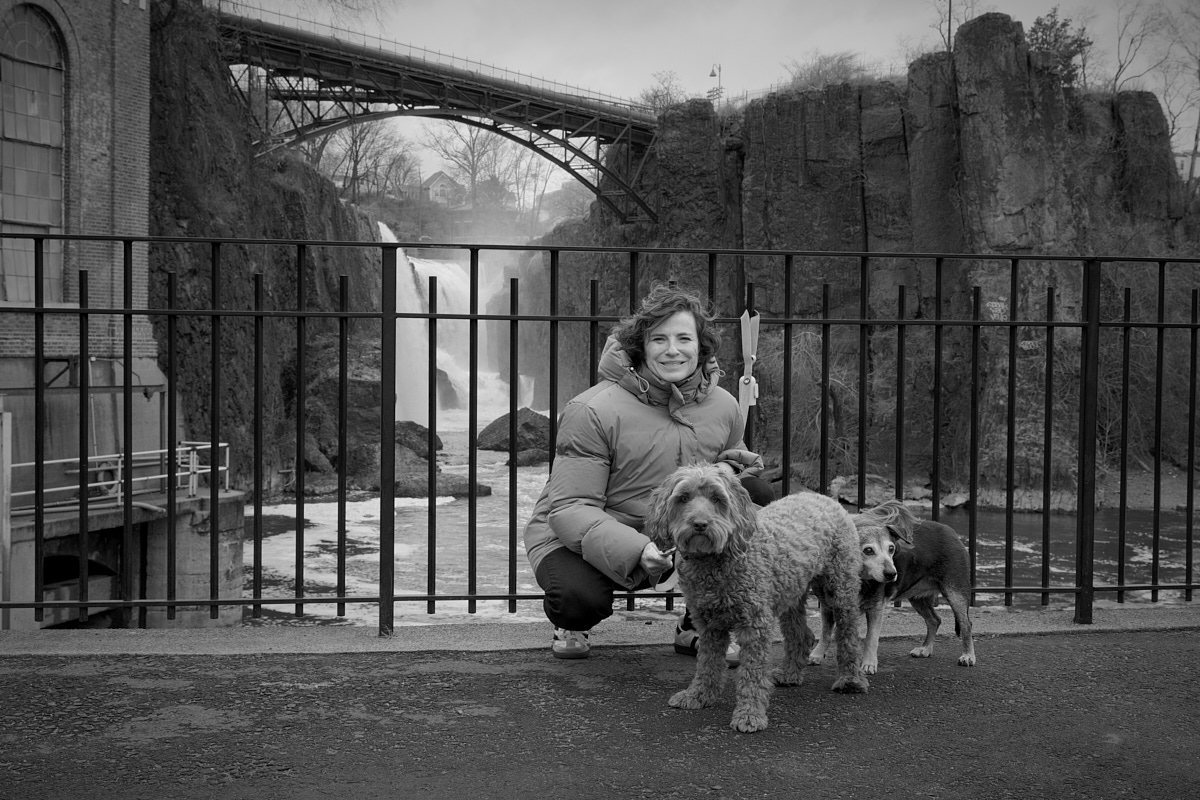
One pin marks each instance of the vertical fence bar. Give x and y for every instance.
(788, 267)
(973, 477)
(1086, 500)
(634, 280)
(1122, 517)
(172, 438)
(1159, 380)
(900, 379)
(301, 423)
(431, 467)
(1010, 432)
(1189, 532)
(593, 331)
(128, 544)
(1047, 441)
(712, 276)
(214, 415)
(259, 478)
(554, 266)
(514, 383)
(864, 343)
(473, 439)
(39, 424)
(387, 442)
(343, 431)
(826, 332)
(936, 478)
(85, 424)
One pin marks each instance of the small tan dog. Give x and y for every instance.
(905, 558)
(739, 571)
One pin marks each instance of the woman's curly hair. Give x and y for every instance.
(663, 301)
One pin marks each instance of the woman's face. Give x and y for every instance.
(673, 347)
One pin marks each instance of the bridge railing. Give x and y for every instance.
(1019, 399)
(253, 11)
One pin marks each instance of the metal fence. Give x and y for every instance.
(1010, 383)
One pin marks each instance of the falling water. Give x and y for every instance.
(453, 353)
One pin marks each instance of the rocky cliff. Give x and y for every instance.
(983, 151)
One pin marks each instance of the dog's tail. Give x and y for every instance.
(890, 514)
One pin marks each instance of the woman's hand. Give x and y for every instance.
(654, 561)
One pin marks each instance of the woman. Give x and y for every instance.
(657, 407)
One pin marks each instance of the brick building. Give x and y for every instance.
(74, 145)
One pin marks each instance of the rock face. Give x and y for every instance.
(204, 182)
(983, 151)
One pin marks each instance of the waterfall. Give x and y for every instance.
(453, 343)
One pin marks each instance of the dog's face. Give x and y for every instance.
(878, 549)
(701, 510)
(879, 530)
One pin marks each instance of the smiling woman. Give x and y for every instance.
(657, 407)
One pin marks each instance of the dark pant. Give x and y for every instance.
(578, 595)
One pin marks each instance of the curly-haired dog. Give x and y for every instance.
(905, 558)
(738, 571)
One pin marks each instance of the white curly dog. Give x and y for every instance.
(739, 571)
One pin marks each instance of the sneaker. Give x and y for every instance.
(570, 644)
(685, 645)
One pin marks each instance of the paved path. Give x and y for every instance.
(1051, 711)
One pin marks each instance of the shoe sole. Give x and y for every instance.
(570, 656)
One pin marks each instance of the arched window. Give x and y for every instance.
(31, 151)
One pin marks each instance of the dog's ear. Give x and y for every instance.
(657, 525)
(900, 521)
(743, 512)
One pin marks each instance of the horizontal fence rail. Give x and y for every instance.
(1043, 406)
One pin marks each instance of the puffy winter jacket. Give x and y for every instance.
(619, 440)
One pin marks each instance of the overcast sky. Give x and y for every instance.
(617, 46)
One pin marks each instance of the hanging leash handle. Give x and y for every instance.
(748, 385)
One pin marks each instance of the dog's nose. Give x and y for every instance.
(889, 575)
(700, 527)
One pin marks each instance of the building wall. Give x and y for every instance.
(106, 49)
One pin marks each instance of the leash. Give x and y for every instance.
(748, 385)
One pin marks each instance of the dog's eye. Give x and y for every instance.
(891, 549)
(868, 551)
(682, 498)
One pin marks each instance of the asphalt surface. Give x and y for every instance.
(1052, 710)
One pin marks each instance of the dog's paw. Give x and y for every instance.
(921, 652)
(870, 666)
(787, 676)
(966, 660)
(851, 685)
(688, 699)
(817, 656)
(747, 720)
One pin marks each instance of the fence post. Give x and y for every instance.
(6, 569)
(387, 443)
(1085, 502)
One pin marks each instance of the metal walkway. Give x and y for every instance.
(321, 82)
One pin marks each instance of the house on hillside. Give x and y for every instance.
(440, 188)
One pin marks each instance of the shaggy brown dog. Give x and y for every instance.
(739, 571)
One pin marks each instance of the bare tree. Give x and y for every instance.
(365, 158)
(1184, 31)
(665, 91)
(1139, 27)
(949, 14)
(469, 151)
(819, 70)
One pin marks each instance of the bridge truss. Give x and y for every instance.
(300, 85)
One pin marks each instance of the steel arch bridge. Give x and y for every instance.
(322, 83)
